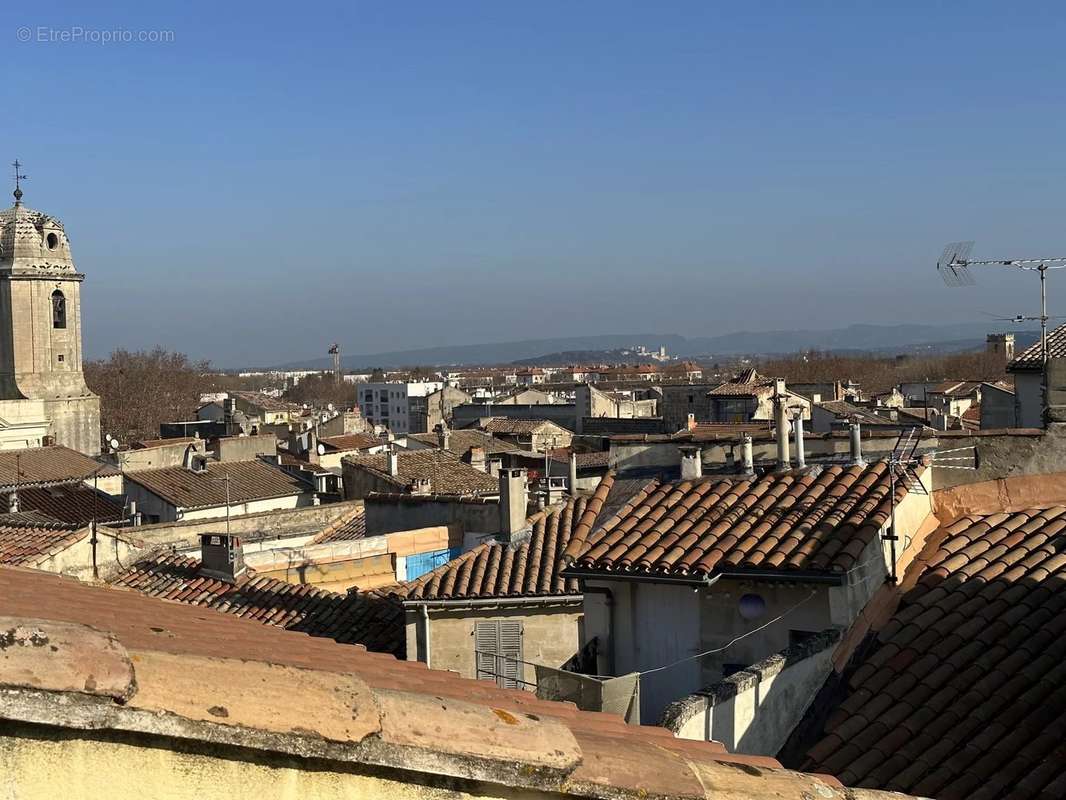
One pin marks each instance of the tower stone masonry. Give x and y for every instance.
(41, 336)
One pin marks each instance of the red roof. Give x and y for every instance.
(695, 528)
(963, 692)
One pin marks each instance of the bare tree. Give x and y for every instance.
(141, 389)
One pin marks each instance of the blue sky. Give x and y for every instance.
(399, 175)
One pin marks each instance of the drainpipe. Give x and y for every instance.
(608, 601)
(801, 458)
(425, 634)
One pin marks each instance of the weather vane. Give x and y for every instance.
(18, 177)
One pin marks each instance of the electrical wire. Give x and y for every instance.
(726, 646)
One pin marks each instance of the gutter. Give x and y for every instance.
(790, 576)
(495, 602)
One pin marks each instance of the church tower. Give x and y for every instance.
(40, 330)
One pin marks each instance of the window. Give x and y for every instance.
(52, 240)
(59, 310)
(498, 651)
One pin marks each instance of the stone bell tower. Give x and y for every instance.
(40, 329)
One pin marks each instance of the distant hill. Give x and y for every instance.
(854, 338)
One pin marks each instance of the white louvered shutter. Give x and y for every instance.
(511, 647)
(486, 642)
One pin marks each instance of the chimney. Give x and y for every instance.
(690, 422)
(444, 437)
(781, 425)
(495, 465)
(797, 425)
(394, 462)
(573, 474)
(221, 557)
(477, 459)
(747, 459)
(691, 463)
(421, 486)
(856, 445)
(556, 489)
(513, 502)
(13, 502)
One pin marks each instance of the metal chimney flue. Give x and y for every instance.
(856, 445)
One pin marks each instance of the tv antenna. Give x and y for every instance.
(903, 463)
(954, 267)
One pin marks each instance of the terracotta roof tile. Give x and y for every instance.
(1030, 357)
(368, 619)
(71, 503)
(516, 427)
(981, 691)
(349, 527)
(810, 521)
(607, 757)
(446, 472)
(460, 442)
(28, 537)
(43, 465)
(528, 568)
(248, 480)
(351, 441)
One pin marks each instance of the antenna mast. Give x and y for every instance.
(954, 267)
(335, 351)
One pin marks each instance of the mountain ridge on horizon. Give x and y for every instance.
(860, 337)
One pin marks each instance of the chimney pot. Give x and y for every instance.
(691, 463)
(573, 474)
(747, 457)
(221, 557)
(513, 501)
(801, 457)
(781, 424)
(477, 459)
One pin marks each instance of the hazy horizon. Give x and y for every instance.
(400, 177)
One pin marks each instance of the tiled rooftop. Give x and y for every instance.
(528, 568)
(695, 528)
(448, 474)
(360, 618)
(28, 537)
(71, 503)
(515, 427)
(42, 465)
(248, 480)
(460, 442)
(349, 527)
(166, 659)
(1030, 357)
(351, 441)
(963, 695)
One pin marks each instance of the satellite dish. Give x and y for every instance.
(321, 449)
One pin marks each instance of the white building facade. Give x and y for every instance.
(391, 404)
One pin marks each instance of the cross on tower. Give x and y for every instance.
(18, 177)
